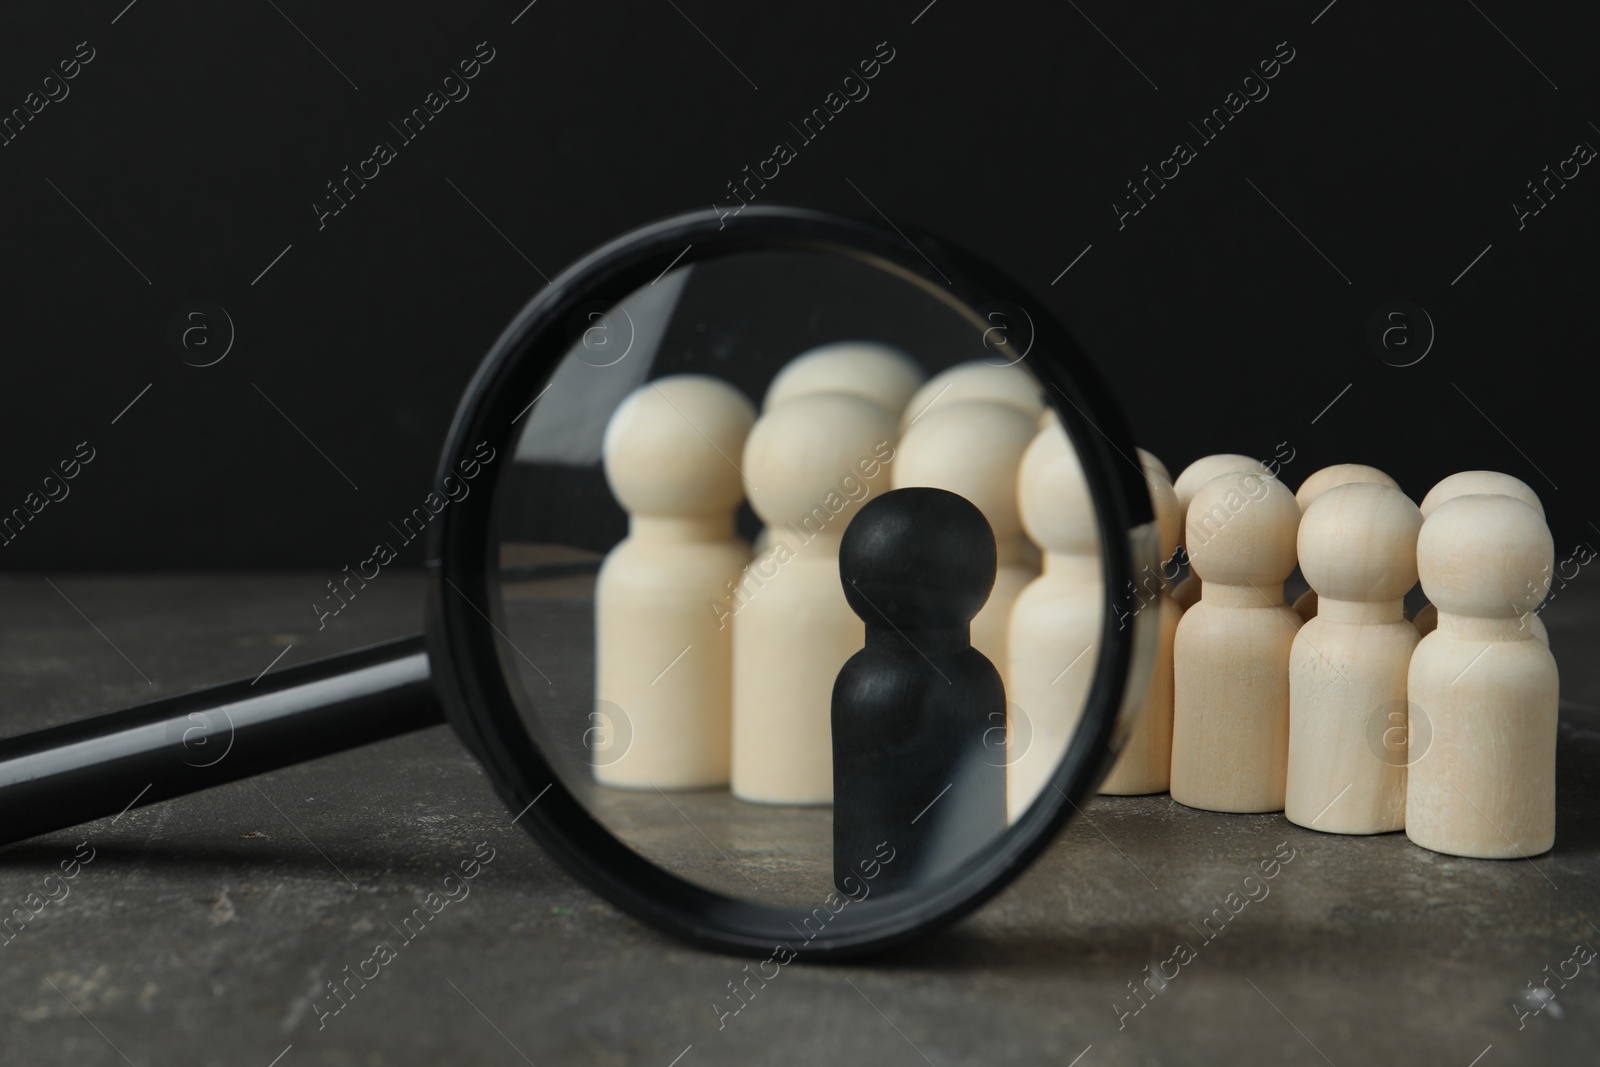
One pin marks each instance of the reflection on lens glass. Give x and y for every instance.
(799, 580)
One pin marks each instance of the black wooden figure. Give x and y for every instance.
(912, 775)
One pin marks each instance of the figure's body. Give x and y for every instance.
(1485, 785)
(1145, 762)
(1054, 640)
(808, 465)
(1347, 669)
(1230, 721)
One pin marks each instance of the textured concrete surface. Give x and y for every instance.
(203, 931)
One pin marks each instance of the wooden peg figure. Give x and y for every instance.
(1486, 784)
(1145, 762)
(913, 710)
(1230, 714)
(973, 449)
(1347, 668)
(1054, 640)
(660, 655)
(809, 464)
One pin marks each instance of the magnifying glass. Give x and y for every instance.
(747, 555)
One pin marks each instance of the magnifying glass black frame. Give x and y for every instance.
(105, 765)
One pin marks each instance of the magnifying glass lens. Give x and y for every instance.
(759, 547)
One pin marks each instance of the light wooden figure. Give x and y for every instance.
(1467, 483)
(809, 464)
(1486, 784)
(661, 657)
(973, 448)
(1347, 668)
(1145, 763)
(1230, 714)
(975, 380)
(1188, 483)
(1315, 485)
(1160, 487)
(877, 372)
(1054, 639)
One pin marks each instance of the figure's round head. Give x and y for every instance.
(877, 372)
(1151, 462)
(1358, 541)
(813, 460)
(1202, 470)
(1241, 529)
(1474, 483)
(1485, 555)
(973, 449)
(918, 559)
(1339, 474)
(670, 447)
(976, 380)
(1053, 496)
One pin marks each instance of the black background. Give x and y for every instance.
(199, 136)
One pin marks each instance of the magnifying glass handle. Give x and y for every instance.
(105, 765)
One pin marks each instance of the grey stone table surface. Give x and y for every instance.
(204, 930)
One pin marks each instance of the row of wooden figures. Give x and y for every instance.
(724, 664)
(1340, 711)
